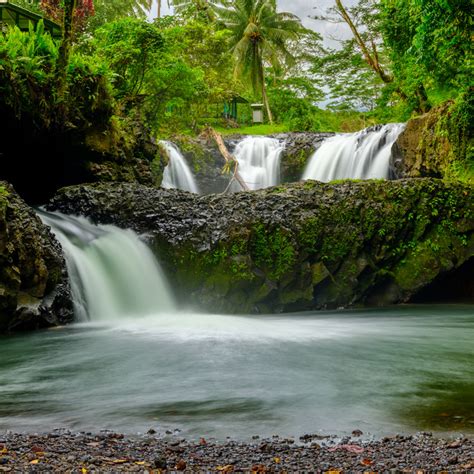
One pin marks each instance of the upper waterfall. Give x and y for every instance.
(112, 273)
(362, 155)
(177, 173)
(259, 161)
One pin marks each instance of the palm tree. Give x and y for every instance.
(260, 35)
(119, 8)
(195, 8)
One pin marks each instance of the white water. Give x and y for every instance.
(177, 174)
(259, 161)
(113, 274)
(362, 155)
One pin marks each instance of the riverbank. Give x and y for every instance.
(61, 451)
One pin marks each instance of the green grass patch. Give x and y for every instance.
(263, 129)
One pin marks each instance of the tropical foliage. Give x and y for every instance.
(401, 57)
(259, 35)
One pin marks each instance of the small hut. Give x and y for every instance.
(230, 107)
(11, 15)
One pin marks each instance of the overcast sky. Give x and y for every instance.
(305, 9)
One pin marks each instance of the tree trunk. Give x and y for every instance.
(265, 98)
(228, 157)
(371, 59)
(423, 102)
(159, 9)
(65, 49)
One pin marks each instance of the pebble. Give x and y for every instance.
(71, 452)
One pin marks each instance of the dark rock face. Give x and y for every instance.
(298, 149)
(438, 144)
(206, 163)
(38, 161)
(34, 291)
(293, 247)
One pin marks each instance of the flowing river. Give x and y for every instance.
(381, 371)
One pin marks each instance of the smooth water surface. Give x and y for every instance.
(381, 371)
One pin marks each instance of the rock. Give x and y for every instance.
(39, 158)
(437, 143)
(298, 149)
(160, 463)
(302, 246)
(34, 291)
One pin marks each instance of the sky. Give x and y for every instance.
(305, 9)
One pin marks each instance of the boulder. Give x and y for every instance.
(34, 291)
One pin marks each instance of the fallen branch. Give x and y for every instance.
(228, 157)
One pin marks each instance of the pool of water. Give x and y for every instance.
(384, 371)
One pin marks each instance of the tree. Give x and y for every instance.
(107, 11)
(57, 9)
(382, 33)
(367, 44)
(150, 77)
(197, 9)
(430, 38)
(259, 36)
(65, 48)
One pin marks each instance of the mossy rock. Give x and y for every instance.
(439, 143)
(311, 245)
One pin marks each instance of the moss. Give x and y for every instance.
(319, 273)
(441, 142)
(313, 245)
(193, 151)
(272, 250)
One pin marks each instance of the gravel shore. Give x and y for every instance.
(113, 452)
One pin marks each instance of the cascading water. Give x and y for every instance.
(177, 174)
(362, 155)
(112, 273)
(259, 161)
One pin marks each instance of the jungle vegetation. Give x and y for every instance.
(178, 73)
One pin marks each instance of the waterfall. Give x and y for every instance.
(362, 155)
(259, 161)
(177, 174)
(112, 273)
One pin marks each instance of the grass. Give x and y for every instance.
(263, 129)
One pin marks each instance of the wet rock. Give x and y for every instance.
(294, 247)
(160, 463)
(34, 291)
(435, 144)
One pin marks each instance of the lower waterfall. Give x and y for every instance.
(113, 274)
(362, 155)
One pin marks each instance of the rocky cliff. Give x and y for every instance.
(34, 291)
(300, 246)
(439, 143)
